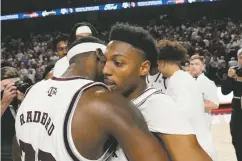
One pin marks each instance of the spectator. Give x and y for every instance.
(10, 97)
(233, 62)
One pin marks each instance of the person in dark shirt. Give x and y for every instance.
(10, 98)
(234, 83)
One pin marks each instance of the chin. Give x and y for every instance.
(112, 87)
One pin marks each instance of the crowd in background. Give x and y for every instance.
(217, 40)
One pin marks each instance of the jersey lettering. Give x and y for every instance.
(38, 117)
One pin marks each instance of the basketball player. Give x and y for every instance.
(79, 30)
(208, 87)
(73, 117)
(156, 80)
(185, 91)
(61, 45)
(129, 56)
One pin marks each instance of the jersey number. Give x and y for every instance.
(28, 153)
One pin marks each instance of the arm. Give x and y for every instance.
(227, 85)
(4, 106)
(210, 106)
(15, 150)
(8, 95)
(211, 100)
(119, 118)
(186, 148)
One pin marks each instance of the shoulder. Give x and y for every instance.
(161, 109)
(102, 102)
(60, 66)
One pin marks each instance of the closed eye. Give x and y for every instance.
(118, 64)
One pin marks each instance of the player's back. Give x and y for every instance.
(188, 97)
(43, 122)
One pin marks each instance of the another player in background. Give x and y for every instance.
(208, 87)
(130, 54)
(185, 91)
(156, 80)
(60, 45)
(79, 30)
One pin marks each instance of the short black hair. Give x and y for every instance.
(84, 40)
(74, 28)
(171, 51)
(60, 37)
(49, 67)
(136, 36)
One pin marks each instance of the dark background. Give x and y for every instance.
(102, 20)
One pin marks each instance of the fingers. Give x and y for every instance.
(10, 86)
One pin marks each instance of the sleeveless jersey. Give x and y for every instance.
(157, 81)
(161, 115)
(43, 121)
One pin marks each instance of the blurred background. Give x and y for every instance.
(212, 28)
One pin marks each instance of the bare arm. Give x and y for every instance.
(15, 150)
(119, 118)
(184, 148)
(210, 106)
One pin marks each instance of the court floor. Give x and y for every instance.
(222, 138)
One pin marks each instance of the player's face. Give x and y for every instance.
(162, 67)
(196, 67)
(61, 48)
(124, 67)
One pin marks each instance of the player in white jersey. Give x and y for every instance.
(208, 87)
(129, 56)
(76, 118)
(185, 91)
(156, 80)
(79, 30)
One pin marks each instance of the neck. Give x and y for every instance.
(154, 71)
(76, 70)
(138, 91)
(197, 75)
(172, 70)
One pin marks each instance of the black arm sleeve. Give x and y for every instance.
(227, 86)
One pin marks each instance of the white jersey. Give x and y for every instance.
(43, 121)
(157, 81)
(161, 115)
(188, 97)
(209, 92)
(60, 67)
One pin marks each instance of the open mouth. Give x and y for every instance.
(109, 83)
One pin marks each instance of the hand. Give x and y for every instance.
(238, 78)
(20, 95)
(231, 73)
(9, 93)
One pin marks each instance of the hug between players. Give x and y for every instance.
(131, 99)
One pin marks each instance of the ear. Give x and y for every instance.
(161, 64)
(145, 68)
(100, 56)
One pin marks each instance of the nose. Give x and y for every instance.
(107, 70)
(65, 50)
